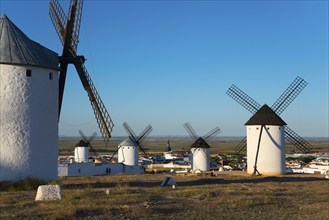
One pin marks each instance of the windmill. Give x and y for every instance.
(200, 149)
(128, 149)
(68, 28)
(82, 148)
(266, 143)
(266, 131)
(28, 106)
(278, 107)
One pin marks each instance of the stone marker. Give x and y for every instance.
(49, 193)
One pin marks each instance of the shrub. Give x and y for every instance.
(21, 185)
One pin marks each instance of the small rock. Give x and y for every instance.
(48, 193)
(107, 192)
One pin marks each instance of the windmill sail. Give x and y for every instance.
(58, 18)
(145, 133)
(243, 99)
(278, 107)
(103, 118)
(212, 133)
(289, 95)
(76, 9)
(190, 131)
(200, 140)
(300, 143)
(68, 28)
(241, 148)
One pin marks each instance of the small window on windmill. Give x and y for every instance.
(79, 170)
(257, 128)
(268, 128)
(50, 75)
(28, 73)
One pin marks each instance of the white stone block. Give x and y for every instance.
(49, 193)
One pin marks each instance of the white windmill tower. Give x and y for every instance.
(81, 150)
(28, 106)
(200, 149)
(129, 148)
(266, 143)
(271, 144)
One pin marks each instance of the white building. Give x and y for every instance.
(91, 168)
(28, 106)
(266, 128)
(128, 152)
(83, 166)
(200, 152)
(81, 152)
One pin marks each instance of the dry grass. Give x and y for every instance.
(231, 195)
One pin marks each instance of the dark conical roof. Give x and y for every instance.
(17, 48)
(200, 143)
(81, 143)
(265, 116)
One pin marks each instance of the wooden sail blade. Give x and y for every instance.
(289, 95)
(92, 149)
(190, 131)
(58, 18)
(140, 147)
(116, 151)
(241, 148)
(76, 8)
(144, 133)
(84, 137)
(212, 133)
(243, 99)
(92, 137)
(103, 118)
(130, 132)
(61, 86)
(300, 143)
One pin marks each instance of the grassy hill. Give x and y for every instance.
(230, 195)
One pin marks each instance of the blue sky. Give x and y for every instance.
(168, 62)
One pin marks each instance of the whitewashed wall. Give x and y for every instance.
(28, 123)
(128, 155)
(200, 159)
(271, 157)
(89, 169)
(81, 154)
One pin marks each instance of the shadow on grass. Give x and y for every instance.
(197, 182)
(209, 181)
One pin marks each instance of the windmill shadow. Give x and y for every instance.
(221, 181)
(197, 182)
